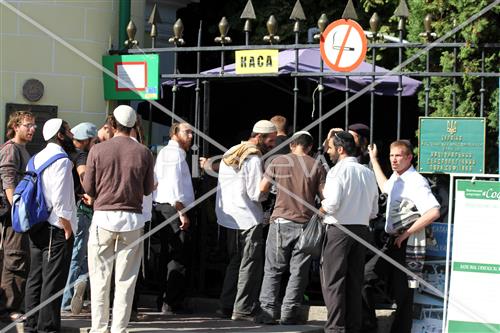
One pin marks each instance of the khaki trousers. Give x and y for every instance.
(103, 246)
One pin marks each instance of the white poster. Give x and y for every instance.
(474, 294)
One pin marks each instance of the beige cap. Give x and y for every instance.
(264, 127)
(51, 127)
(125, 115)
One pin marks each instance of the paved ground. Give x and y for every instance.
(203, 320)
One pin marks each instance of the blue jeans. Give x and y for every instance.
(79, 266)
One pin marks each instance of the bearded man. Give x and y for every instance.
(173, 194)
(239, 212)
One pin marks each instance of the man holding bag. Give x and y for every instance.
(298, 178)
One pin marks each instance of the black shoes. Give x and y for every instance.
(224, 313)
(175, 310)
(265, 318)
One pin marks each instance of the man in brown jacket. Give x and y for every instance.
(13, 160)
(119, 172)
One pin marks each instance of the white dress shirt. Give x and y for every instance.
(411, 186)
(58, 188)
(147, 200)
(237, 204)
(173, 176)
(351, 194)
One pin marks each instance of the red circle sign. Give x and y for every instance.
(343, 45)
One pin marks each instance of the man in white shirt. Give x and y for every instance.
(351, 200)
(173, 194)
(404, 185)
(51, 242)
(239, 211)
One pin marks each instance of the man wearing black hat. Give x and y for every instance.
(239, 211)
(361, 134)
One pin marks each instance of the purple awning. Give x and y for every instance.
(309, 61)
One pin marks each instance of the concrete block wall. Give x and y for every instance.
(70, 81)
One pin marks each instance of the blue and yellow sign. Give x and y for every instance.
(451, 145)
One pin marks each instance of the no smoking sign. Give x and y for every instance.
(343, 45)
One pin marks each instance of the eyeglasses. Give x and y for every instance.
(29, 126)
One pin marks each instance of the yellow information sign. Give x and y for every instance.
(256, 61)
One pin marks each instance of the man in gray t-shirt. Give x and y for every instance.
(299, 179)
(13, 160)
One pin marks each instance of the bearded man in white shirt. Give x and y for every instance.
(173, 194)
(239, 211)
(51, 242)
(351, 200)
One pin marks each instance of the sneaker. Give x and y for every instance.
(77, 300)
(243, 317)
(17, 316)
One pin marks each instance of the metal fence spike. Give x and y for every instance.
(297, 12)
(248, 12)
(155, 17)
(350, 11)
(402, 10)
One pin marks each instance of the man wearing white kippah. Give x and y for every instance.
(119, 172)
(51, 242)
(239, 211)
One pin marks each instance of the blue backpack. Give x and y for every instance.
(28, 203)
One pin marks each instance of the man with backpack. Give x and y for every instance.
(13, 160)
(51, 241)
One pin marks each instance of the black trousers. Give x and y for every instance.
(342, 269)
(15, 265)
(47, 276)
(397, 282)
(174, 256)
